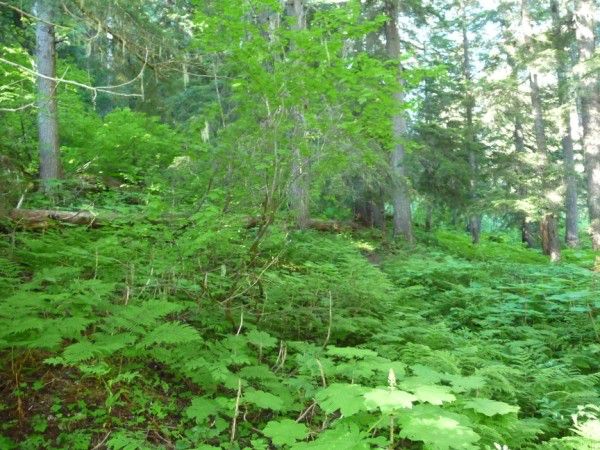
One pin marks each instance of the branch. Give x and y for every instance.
(94, 89)
(26, 14)
(20, 108)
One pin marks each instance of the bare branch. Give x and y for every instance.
(26, 14)
(94, 89)
(20, 108)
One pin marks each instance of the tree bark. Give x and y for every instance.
(469, 133)
(570, 177)
(400, 190)
(49, 150)
(590, 111)
(300, 182)
(548, 228)
(33, 219)
(550, 241)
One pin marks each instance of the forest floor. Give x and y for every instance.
(144, 337)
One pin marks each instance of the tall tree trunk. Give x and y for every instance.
(548, 228)
(590, 111)
(400, 190)
(570, 177)
(469, 134)
(550, 241)
(300, 183)
(527, 236)
(50, 165)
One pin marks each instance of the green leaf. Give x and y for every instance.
(427, 374)
(438, 432)
(263, 400)
(345, 436)
(261, 339)
(171, 333)
(387, 400)
(490, 407)
(436, 395)
(80, 351)
(464, 384)
(348, 398)
(201, 408)
(285, 432)
(349, 352)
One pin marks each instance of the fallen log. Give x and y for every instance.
(314, 224)
(41, 219)
(34, 219)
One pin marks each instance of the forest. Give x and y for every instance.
(299, 224)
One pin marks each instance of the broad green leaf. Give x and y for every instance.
(201, 408)
(345, 436)
(427, 374)
(348, 398)
(490, 407)
(285, 432)
(439, 432)
(261, 339)
(436, 395)
(387, 400)
(263, 400)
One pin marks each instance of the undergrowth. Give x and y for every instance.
(193, 334)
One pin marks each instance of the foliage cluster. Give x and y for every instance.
(145, 337)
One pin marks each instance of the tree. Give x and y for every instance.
(300, 181)
(49, 149)
(469, 132)
(590, 111)
(548, 227)
(400, 189)
(560, 41)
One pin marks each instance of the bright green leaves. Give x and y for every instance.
(80, 351)
(350, 352)
(490, 407)
(201, 408)
(347, 398)
(285, 432)
(436, 395)
(345, 436)
(389, 400)
(437, 429)
(464, 384)
(263, 400)
(261, 339)
(171, 333)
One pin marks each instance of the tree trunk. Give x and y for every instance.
(400, 190)
(299, 188)
(550, 241)
(527, 236)
(590, 111)
(548, 228)
(469, 132)
(50, 165)
(300, 184)
(570, 177)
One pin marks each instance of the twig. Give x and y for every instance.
(94, 89)
(99, 444)
(306, 411)
(322, 373)
(236, 411)
(20, 108)
(330, 321)
(239, 330)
